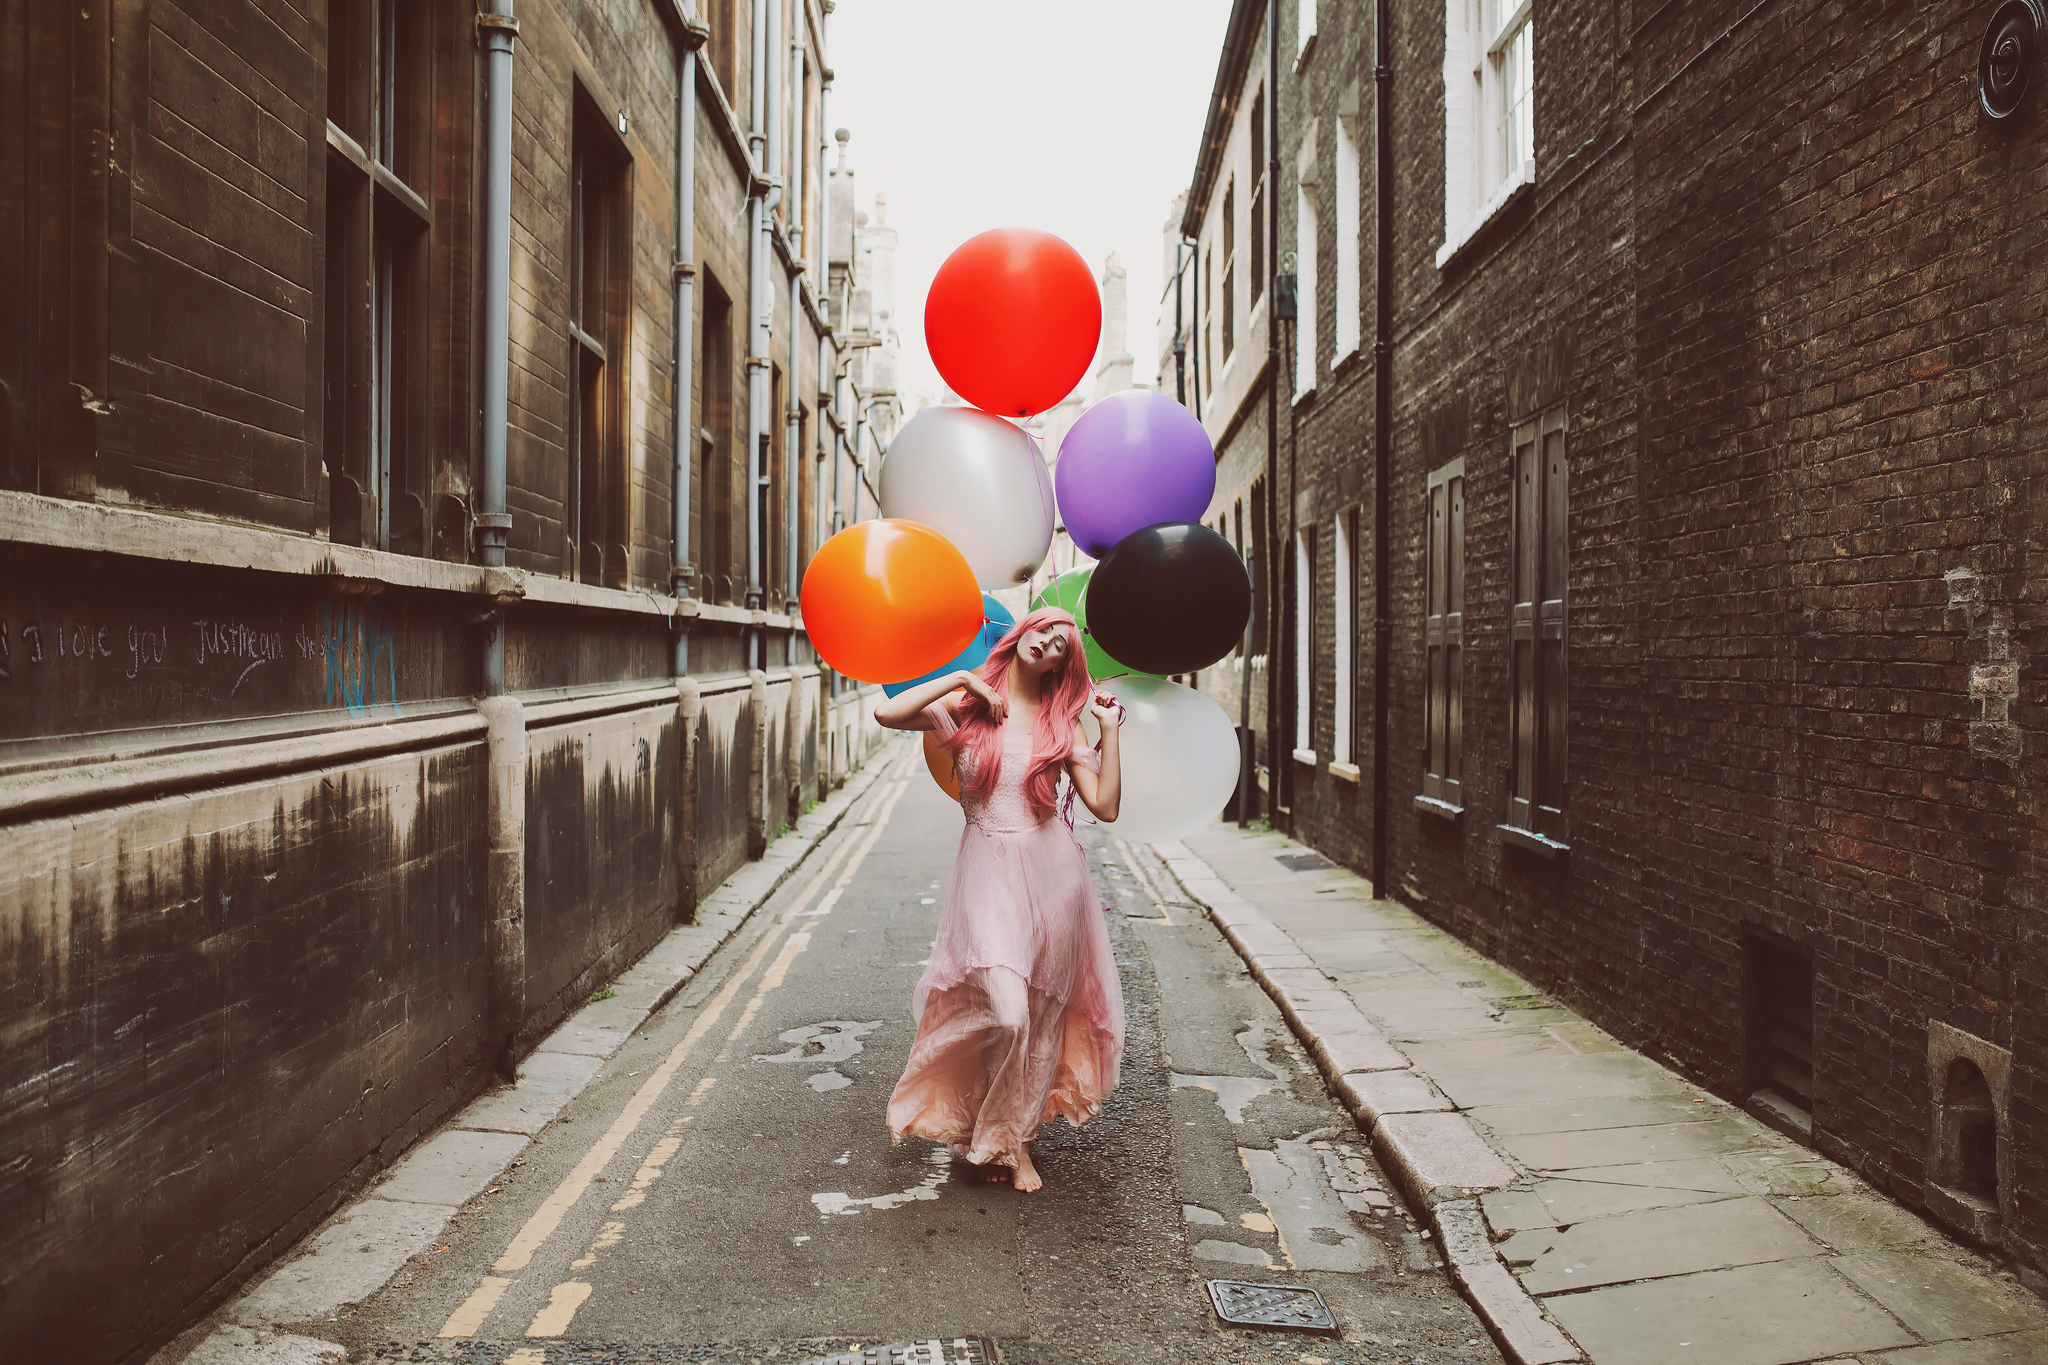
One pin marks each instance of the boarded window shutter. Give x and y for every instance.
(1550, 646)
(1443, 635)
(1525, 504)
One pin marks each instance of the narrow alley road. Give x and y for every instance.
(726, 1191)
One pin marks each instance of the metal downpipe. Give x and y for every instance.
(680, 567)
(760, 317)
(493, 521)
(1275, 553)
(1382, 426)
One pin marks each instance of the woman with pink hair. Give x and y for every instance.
(1020, 1017)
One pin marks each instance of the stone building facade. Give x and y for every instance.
(383, 665)
(1714, 538)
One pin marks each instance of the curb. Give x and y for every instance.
(358, 1249)
(1434, 1154)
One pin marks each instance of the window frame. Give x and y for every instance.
(1306, 226)
(377, 272)
(1346, 335)
(1539, 572)
(596, 510)
(1482, 175)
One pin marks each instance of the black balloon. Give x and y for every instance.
(1170, 598)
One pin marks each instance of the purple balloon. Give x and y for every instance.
(1135, 459)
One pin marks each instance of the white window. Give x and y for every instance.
(1304, 645)
(1305, 290)
(1489, 112)
(1344, 568)
(1304, 25)
(1347, 242)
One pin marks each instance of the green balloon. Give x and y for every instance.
(1069, 592)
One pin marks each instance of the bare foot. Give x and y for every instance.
(990, 1172)
(1026, 1176)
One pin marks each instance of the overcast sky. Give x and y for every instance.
(1080, 117)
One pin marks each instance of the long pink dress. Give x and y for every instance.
(1020, 1017)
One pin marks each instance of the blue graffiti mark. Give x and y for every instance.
(361, 653)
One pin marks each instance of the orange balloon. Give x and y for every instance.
(886, 601)
(940, 765)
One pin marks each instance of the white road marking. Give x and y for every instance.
(941, 1159)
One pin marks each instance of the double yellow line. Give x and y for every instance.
(554, 1317)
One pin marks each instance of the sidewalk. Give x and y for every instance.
(1592, 1204)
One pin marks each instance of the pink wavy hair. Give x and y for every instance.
(1064, 695)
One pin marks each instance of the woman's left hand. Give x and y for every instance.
(1107, 710)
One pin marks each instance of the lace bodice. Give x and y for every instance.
(1007, 809)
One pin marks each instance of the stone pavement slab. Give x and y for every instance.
(451, 1168)
(1769, 1314)
(1938, 1299)
(1653, 1243)
(1640, 1207)
(2021, 1348)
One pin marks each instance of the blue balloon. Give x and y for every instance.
(996, 621)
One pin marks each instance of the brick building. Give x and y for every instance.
(1713, 534)
(383, 666)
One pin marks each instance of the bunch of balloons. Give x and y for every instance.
(1012, 322)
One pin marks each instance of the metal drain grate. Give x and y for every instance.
(1303, 862)
(1287, 1306)
(957, 1351)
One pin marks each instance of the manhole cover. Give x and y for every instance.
(1304, 862)
(958, 1351)
(1285, 1306)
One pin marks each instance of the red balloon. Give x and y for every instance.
(1012, 320)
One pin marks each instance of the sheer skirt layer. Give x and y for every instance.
(1019, 1012)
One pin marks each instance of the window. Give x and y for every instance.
(1209, 316)
(1536, 631)
(595, 513)
(718, 444)
(1443, 641)
(1489, 112)
(379, 134)
(1304, 26)
(1305, 290)
(1346, 209)
(1257, 276)
(1304, 644)
(1344, 566)
(1229, 269)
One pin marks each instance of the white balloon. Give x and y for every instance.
(980, 482)
(1179, 755)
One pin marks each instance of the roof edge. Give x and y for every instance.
(1240, 39)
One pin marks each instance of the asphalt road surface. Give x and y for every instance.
(726, 1190)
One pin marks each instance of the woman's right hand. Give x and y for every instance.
(998, 704)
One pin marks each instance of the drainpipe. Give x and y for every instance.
(1382, 426)
(1275, 552)
(493, 521)
(680, 568)
(760, 318)
(792, 420)
(504, 717)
